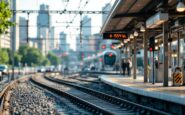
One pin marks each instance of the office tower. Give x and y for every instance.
(23, 28)
(43, 26)
(53, 40)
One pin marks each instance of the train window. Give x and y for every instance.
(109, 59)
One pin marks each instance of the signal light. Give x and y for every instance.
(112, 47)
(103, 46)
(152, 44)
(110, 55)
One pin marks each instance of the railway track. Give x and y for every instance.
(5, 93)
(94, 101)
(86, 101)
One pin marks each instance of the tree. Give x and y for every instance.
(5, 15)
(17, 58)
(45, 62)
(54, 60)
(23, 52)
(4, 58)
(31, 56)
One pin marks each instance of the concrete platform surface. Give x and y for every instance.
(172, 94)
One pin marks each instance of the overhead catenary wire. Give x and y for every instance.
(34, 38)
(65, 6)
(102, 10)
(60, 26)
(79, 6)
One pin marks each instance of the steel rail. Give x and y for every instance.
(74, 99)
(112, 99)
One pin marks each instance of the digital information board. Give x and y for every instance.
(115, 36)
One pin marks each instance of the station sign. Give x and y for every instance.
(115, 36)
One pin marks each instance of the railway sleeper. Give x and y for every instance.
(79, 101)
(111, 99)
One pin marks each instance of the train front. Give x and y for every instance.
(109, 60)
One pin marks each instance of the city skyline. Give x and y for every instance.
(60, 21)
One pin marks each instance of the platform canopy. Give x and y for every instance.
(128, 15)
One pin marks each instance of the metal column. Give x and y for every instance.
(165, 56)
(145, 56)
(28, 28)
(170, 51)
(135, 61)
(178, 49)
(13, 45)
(120, 60)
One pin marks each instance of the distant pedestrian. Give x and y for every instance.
(66, 71)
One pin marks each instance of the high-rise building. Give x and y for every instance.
(43, 25)
(86, 26)
(64, 46)
(23, 28)
(86, 33)
(5, 41)
(78, 45)
(53, 40)
(107, 7)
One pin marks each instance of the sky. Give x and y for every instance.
(59, 21)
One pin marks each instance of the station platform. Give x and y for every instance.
(103, 72)
(174, 94)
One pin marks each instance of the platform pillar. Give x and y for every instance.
(178, 49)
(145, 36)
(135, 61)
(165, 55)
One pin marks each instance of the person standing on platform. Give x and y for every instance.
(123, 67)
(128, 67)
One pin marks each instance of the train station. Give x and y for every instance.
(122, 57)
